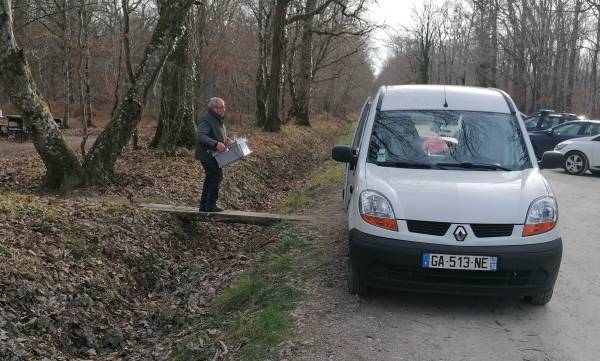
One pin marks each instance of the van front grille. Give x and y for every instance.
(492, 230)
(425, 227)
(440, 228)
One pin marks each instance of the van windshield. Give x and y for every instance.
(448, 139)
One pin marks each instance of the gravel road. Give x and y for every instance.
(11, 148)
(388, 325)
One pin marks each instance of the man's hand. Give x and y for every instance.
(221, 147)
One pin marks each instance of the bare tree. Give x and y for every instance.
(100, 160)
(63, 170)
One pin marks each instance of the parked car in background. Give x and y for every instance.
(547, 119)
(581, 154)
(545, 140)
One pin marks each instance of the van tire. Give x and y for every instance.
(540, 299)
(356, 285)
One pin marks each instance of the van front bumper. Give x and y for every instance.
(524, 270)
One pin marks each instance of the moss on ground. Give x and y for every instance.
(256, 306)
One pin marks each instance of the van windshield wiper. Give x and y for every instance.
(399, 164)
(469, 165)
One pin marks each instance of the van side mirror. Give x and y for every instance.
(550, 131)
(551, 160)
(344, 154)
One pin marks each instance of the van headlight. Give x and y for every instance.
(541, 217)
(376, 210)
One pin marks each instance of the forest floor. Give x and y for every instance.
(88, 275)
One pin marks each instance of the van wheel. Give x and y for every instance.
(356, 285)
(575, 163)
(540, 299)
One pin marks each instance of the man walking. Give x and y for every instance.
(211, 136)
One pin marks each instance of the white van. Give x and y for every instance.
(444, 194)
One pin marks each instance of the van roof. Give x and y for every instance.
(431, 97)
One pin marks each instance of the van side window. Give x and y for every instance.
(361, 126)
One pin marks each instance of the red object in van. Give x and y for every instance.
(435, 145)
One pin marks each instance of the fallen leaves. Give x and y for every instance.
(88, 275)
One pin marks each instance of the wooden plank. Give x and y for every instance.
(226, 216)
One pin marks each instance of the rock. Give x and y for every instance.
(92, 352)
(114, 338)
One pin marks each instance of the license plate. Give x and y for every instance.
(460, 262)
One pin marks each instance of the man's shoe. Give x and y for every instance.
(214, 209)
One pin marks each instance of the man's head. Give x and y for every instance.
(217, 105)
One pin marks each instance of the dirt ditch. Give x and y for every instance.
(89, 276)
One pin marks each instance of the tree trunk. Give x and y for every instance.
(425, 44)
(558, 83)
(89, 116)
(301, 106)
(127, 51)
(273, 122)
(261, 86)
(83, 48)
(100, 160)
(573, 57)
(67, 66)
(197, 46)
(482, 49)
(175, 124)
(594, 75)
(494, 46)
(519, 66)
(63, 170)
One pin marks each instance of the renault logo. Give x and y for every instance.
(460, 233)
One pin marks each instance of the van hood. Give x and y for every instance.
(458, 196)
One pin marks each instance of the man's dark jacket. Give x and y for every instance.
(211, 131)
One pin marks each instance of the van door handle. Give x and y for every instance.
(351, 189)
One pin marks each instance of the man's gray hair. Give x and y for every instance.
(213, 102)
